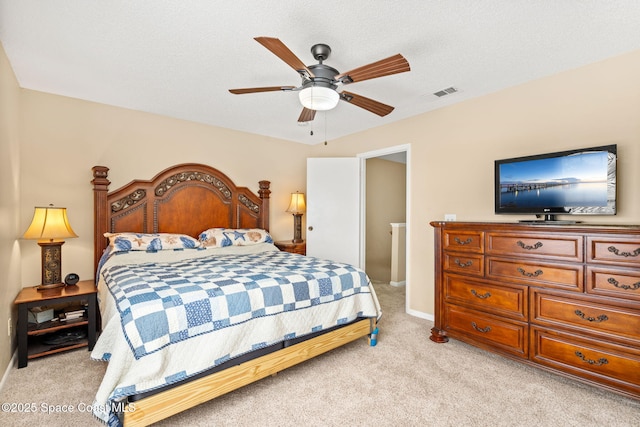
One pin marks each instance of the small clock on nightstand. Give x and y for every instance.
(289, 246)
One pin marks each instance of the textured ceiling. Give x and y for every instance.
(179, 58)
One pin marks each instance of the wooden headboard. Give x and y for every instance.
(187, 198)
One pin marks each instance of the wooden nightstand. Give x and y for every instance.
(31, 335)
(289, 246)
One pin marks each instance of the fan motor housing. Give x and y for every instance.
(324, 76)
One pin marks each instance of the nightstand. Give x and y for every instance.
(289, 246)
(32, 336)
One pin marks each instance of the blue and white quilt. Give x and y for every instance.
(170, 315)
(162, 303)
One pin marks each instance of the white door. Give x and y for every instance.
(333, 209)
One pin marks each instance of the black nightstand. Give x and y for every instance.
(289, 246)
(30, 335)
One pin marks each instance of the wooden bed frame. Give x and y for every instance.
(189, 198)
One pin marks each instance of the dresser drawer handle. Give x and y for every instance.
(462, 264)
(598, 319)
(534, 274)
(618, 252)
(483, 330)
(599, 362)
(484, 296)
(461, 242)
(617, 284)
(520, 243)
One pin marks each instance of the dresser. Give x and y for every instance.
(565, 298)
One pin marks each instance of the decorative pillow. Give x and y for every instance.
(125, 242)
(221, 237)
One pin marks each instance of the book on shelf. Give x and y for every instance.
(72, 313)
(70, 316)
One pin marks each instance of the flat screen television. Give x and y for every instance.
(574, 182)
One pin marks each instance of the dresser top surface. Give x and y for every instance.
(583, 228)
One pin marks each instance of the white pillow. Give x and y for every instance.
(125, 242)
(221, 237)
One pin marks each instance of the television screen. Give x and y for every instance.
(569, 182)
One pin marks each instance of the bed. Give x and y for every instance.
(185, 261)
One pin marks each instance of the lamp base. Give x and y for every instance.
(51, 265)
(50, 286)
(297, 228)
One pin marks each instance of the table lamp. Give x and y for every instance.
(297, 207)
(49, 227)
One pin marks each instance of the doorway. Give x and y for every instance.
(384, 212)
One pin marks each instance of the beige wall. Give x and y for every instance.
(9, 205)
(453, 149)
(65, 137)
(450, 163)
(385, 203)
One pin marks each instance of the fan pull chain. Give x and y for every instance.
(325, 128)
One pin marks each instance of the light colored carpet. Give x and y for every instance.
(406, 380)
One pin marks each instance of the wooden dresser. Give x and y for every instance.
(562, 297)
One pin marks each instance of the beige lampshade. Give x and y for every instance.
(297, 205)
(48, 224)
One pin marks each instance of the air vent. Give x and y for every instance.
(447, 91)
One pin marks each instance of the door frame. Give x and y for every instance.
(406, 148)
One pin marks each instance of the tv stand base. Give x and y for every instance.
(549, 219)
(547, 222)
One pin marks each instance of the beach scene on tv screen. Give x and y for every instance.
(570, 181)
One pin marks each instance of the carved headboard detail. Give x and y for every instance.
(187, 198)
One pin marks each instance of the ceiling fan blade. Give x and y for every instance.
(392, 65)
(261, 89)
(368, 104)
(281, 51)
(307, 115)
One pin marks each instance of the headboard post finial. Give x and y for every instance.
(100, 220)
(100, 174)
(264, 194)
(264, 191)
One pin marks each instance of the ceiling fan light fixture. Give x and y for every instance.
(318, 98)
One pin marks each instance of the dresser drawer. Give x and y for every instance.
(552, 275)
(613, 251)
(556, 247)
(619, 283)
(463, 241)
(505, 301)
(464, 263)
(486, 330)
(605, 363)
(556, 309)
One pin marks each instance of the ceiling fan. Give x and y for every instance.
(320, 82)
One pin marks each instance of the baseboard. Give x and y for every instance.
(398, 284)
(420, 314)
(12, 362)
